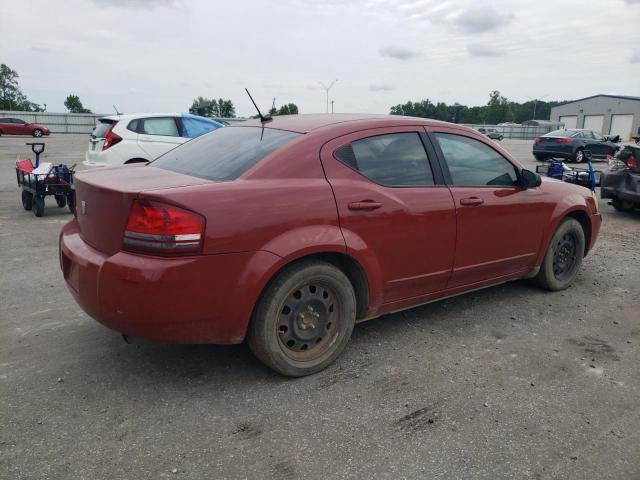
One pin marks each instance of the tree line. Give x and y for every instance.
(498, 109)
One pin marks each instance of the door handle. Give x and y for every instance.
(364, 205)
(471, 201)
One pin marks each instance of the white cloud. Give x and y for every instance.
(481, 19)
(382, 87)
(399, 53)
(479, 50)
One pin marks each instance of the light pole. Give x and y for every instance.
(326, 89)
(535, 103)
(332, 102)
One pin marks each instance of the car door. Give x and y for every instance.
(12, 127)
(20, 127)
(393, 209)
(499, 223)
(158, 135)
(599, 147)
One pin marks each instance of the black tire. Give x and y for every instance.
(578, 157)
(540, 158)
(292, 337)
(27, 200)
(37, 133)
(564, 256)
(38, 206)
(61, 200)
(622, 205)
(0, 133)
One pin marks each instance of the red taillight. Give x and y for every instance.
(538, 140)
(110, 138)
(565, 140)
(632, 162)
(163, 229)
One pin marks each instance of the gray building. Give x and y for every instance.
(607, 114)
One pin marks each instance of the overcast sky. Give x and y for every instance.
(146, 55)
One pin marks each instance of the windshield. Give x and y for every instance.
(101, 128)
(225, 153)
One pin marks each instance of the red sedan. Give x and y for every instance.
(287, 232)
(15, 126)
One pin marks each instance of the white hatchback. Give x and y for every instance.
(121, 139)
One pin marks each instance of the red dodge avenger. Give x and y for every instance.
(287, 232)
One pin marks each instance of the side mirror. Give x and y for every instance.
(530, 179)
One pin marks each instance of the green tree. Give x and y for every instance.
(210, 107)
(288, 109)
(11, 97)
(74, 105)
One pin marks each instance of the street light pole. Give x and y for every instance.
(535, 103)
(326, 89)
(332, 101)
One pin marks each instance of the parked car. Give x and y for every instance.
(492, 133)
(15, 126)
(571, 144)
(621, 180)
(124, 139)
(288, 232)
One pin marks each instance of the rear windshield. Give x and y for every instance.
(225, 153)
(561, 133)
(101, 128)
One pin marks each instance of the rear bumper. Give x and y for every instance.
(620, 184)
(544, 152)
(596, 223)
(199, 299)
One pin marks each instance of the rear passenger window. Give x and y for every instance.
(160, 126)
(472, 163)
(133, 125)
(394, 160)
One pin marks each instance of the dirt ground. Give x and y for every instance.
(508, 382)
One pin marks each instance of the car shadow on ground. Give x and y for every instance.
(183, 365)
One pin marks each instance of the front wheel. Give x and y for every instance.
(564, 255)
(304, 319)
(37, 133)
(61, 200)
(38, 206)
(579, 156)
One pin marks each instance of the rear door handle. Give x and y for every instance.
(471, 201)
(364, 205)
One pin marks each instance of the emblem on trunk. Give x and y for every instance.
(83, 207)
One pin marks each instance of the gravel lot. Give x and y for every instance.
(508, 382)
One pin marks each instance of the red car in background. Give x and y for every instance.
(289, 231)
(15, 126)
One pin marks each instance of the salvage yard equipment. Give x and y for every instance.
(586, 177)
(40, 180)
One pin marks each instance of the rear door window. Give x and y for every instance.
(393, 160)
(472, 163)
(165, 126)
(225, 153)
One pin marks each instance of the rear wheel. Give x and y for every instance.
(622, 205)
(37, 133)
(540, 158)
(61, 200)
(27, 200)
(579, 156)
(564, 255)
(304, 319)
(38, 206)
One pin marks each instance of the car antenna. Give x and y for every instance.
(116, 109)
(263, 119)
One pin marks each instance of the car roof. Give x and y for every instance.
(133, 116)
(306, 123)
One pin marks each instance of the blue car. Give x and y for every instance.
(571, 144)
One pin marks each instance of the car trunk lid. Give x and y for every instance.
(104, 198)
